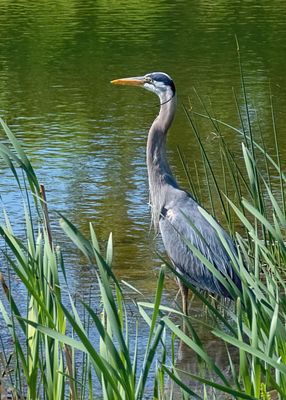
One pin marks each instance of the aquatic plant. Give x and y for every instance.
(255, 214)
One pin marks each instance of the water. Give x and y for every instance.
(86, 138)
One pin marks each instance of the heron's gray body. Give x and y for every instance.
(182, 222)
(172, 207)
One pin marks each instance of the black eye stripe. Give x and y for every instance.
(161, 77)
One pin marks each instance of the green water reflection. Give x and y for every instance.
(87, 138)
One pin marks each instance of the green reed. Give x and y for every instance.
(45, 355)
(256, 327)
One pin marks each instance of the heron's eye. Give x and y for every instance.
(148, 80)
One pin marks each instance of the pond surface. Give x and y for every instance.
(86, 138)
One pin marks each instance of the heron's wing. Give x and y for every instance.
(175, 227)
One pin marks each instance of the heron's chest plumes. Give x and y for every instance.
(156, 192)
(159, 174)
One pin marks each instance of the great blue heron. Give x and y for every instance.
(172, 207)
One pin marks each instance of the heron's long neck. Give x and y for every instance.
(159, 172)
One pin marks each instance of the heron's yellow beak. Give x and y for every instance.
(137, 81)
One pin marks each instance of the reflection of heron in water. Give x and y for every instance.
(188, 361)
(172, 207)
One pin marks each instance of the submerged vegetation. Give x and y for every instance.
(56, 354)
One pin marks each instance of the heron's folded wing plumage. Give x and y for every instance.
(182, 222)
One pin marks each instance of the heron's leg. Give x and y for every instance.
(184, 292)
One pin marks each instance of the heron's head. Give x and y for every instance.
(157, 82)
